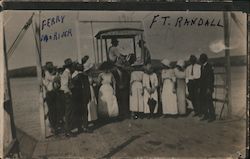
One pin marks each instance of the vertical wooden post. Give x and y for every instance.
(107, 51)
(39, 74)
(7, 116)
(228, 63)
(93, 40)
(134, 46)
(101, 50)
(78, 38)
(97, 51)
(142, 51)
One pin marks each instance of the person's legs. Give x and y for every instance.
(197, 97)
(211, 108)
(60, 108)
(51, 102)
(191, 91)
(85, 115)
(68, 114)
(204, 104)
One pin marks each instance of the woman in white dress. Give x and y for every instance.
(107, 102)
(168, 95)
(150, 84)
(136, 93)
(180, 87)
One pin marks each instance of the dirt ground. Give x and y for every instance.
(150, 138)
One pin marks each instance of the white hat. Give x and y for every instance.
(87, 66)
(166, 62)
(180, 63)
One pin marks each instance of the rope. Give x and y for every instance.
(19, 37)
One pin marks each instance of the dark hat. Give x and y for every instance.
(68, 62)
(203, 57)
(85, 59)
(192, 58)
(79, 67)
(141, 42)
(49, 65)
(114, 40)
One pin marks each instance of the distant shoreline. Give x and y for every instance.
(218, 62)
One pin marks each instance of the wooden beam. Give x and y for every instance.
(142, 51)
(228, 63)
(93, 40)
(37, 35)
(97, 51)
(78, 44)
(107, 52)
(101, 50)
(134, 46)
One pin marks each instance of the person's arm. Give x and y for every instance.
(65, 82)
(131, 82)
(187, 73)
(198, 71)
(156, 83)
(144, 82)
(114, 83)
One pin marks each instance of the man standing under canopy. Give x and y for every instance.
(80, 98)
(114, 52)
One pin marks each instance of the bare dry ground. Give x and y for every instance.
(160, 137)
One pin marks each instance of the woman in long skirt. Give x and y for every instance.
(181, 87)
(107, 101)
(168, 92)
(150, 84)
(136, 93)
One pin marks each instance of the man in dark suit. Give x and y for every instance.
(206, 89)
(80, 97)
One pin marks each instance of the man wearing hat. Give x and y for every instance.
(193, 73)
(66, 85)
(206, 89)
(50, 95)
(145, 52)
(114, 52)
(86, 64)
(80, 98)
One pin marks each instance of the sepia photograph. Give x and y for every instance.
(124, 84)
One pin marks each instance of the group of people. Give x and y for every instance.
(75, 98)
(172, 88)
(68, 93)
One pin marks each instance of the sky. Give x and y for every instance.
(168, 36)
